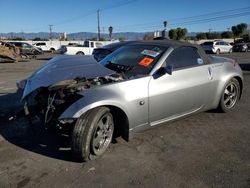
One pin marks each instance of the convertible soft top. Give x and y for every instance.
(174, 44)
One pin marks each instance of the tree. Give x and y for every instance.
(201, 36)
(227, 35)
(17, 39)
(213, 35)
(172, 34)
(246, 37)
(239, 29)
(178, 33)
(121, 39)
(40, 39)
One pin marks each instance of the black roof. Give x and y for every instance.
(174, 44)
(166, 43)
(116, 45)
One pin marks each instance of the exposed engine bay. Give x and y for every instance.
(48, 103)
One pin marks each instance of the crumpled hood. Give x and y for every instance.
(65, 67)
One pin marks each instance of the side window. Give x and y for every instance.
(92, 45)
(184, 57)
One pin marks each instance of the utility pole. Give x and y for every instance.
(110, 32)
(98, 22)
(165, 29)
(209, 30)
(50, 32)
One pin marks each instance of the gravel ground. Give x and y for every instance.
(205, 150)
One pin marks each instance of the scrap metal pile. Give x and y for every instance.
(10, 53)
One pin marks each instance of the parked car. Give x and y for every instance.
(241, 47)
(85, 49)
(27, 49)
(138, 86)
(100, 53)
(45, 46)
(217, 46)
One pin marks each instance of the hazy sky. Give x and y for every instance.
(123, 15)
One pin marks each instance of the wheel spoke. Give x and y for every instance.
(226, 91)
(97, 140)
(226, 101)
(231, 88)
(233, 94)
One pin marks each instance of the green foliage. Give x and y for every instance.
(239, 29)
(201, 36)
(227, 35)
(172, 34)
(178, 33)
(17, 39)
(208, 35)
(102, 39)
(246, 37)
(40, 39)
(121, 39)
(213, 35)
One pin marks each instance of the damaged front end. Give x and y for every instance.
(56, 86)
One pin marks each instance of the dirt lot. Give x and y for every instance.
(206, 150)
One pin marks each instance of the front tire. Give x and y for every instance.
(92, 133)
(218, 51)
(230, 96)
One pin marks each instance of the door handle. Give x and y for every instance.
(210, 74)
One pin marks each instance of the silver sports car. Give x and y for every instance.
(139, 85)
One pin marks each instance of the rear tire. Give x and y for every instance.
(79, 53)
(92, 134)
(230, 96)
(52, 50)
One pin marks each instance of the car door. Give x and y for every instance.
(183, 92)
(223, 47)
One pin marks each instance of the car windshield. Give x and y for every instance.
(134, 60)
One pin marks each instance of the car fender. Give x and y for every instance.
(223, 80)
(92, 99)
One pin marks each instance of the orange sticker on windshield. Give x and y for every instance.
(146, 61)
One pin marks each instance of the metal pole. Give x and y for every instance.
(98, 22)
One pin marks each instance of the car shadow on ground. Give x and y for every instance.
(16, 129)
(245, 67)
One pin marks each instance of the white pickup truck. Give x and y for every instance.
(85, 49)
(46, 47)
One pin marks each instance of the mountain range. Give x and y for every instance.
(72, 36)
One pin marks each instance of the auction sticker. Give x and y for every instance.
(146, 61)
(150, 53)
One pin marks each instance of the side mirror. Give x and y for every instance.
(163, 70)
(169, 69)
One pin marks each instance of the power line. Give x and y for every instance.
(194, 20)
(92, 12)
